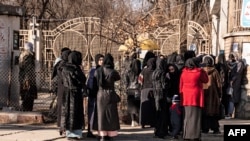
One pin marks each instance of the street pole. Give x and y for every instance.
(35, 37)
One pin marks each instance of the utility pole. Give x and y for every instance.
(36, 48)
(34, 37)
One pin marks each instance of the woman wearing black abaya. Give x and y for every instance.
(107, 112)
(133, 88)
(74, 83)
(147, 107)
(159, 86)
(57, 71)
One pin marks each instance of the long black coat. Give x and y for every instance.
(57, 73)
(159, 86)
(74, 83)
(147, 107)
(235, 74)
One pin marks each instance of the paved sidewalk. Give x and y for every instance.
(49, 132)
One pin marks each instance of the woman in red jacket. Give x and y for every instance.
(192, 99)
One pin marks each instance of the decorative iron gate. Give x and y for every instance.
(84, 34)
(168, 37)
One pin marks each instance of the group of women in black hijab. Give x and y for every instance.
(159, 81)
(102, 110)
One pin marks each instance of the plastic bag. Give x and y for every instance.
(230, 91)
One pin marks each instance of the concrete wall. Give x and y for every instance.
(9, 22)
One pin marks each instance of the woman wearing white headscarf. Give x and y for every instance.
(27, 77)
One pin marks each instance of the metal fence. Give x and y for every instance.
(46, 100)
(10, 94)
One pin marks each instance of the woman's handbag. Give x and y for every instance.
(230, 90)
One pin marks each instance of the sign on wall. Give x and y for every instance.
(245, 14)
(235, 47)
(16, 40)
(246, 52)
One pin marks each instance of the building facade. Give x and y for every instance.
(228, 35)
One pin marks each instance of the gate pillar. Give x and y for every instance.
(9, 52)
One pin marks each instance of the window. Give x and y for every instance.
(237, 13)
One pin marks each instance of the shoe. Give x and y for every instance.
(73, 138)
(174, 138)
(111, 139)
(90, 135)
(229, 116)
(102, 138)
(160, 137)
(62, 132)
(217, 132)
(133, 124)
(205, 131)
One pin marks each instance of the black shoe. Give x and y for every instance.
(111, 139)
(90, 135)
(62, 132)
(160, 137)
(217, 132)
(174, 138)
(205, 131)
(73, 138)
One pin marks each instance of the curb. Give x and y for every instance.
(13, 117)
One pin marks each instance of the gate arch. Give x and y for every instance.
(168, 37)
(166, 34)
(198, 38)
(77, 34)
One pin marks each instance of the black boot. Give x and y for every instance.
(90, 135)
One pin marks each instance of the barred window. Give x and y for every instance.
(237, 12)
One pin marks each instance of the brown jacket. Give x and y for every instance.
(212, 92)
